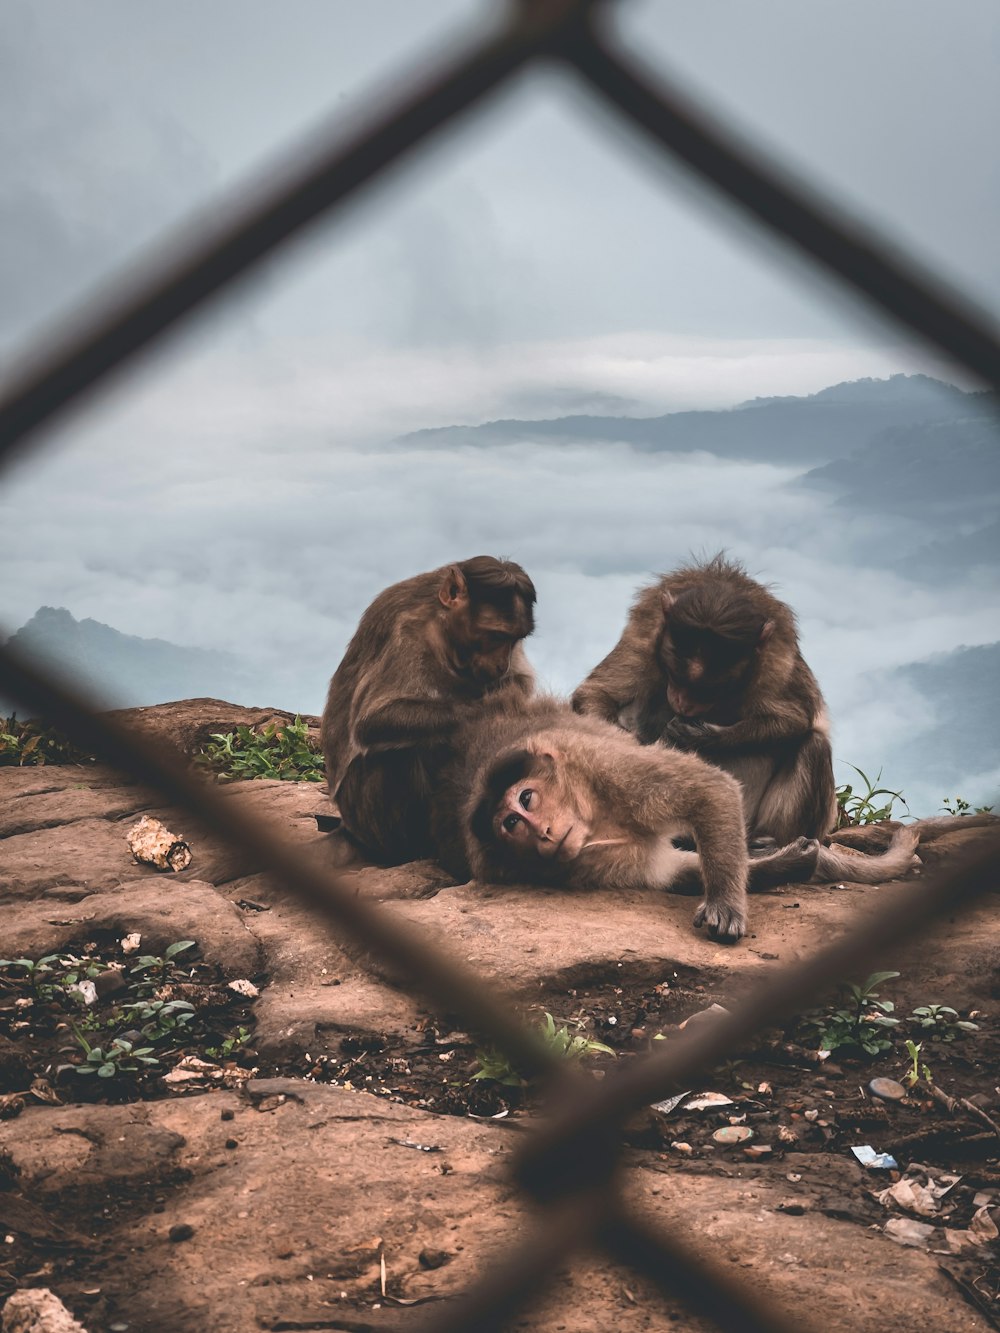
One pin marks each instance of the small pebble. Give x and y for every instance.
(433, 1258)
(228, 1115)
(887, 1089)
(181, 1231)
(231, 1143)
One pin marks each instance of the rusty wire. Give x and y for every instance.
(570, 1164)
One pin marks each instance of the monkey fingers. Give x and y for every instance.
(725, 922)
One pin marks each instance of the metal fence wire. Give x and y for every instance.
(570, 1166)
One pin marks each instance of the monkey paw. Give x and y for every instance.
(724, 922)
(688, 733)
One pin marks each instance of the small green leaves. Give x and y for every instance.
(283, 752)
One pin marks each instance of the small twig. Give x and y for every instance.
(959, 1103)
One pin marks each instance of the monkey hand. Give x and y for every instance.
(688, 733)
(724, 921)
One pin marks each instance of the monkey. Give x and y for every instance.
(709, 662)
(535, 793)
(426, 652)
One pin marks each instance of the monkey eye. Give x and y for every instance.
(510, 823)
(526, 797)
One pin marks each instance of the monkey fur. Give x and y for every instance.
(709, 662)
(425, 654)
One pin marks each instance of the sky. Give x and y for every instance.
(240, 487)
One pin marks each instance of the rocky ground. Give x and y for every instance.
(284, 1146)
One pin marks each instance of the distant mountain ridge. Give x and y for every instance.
(123, 668)
(812, 430)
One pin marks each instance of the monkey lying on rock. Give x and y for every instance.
(537, 794)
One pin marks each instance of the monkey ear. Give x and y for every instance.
(453, 591)
(667, 600)
(766, 630)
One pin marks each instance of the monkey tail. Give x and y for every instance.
(859, 868)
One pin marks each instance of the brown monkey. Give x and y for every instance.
(709, 661)
(537, 794)
(425, 653)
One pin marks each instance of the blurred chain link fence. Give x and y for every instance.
(569, 1166)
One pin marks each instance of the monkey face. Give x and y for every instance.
(704, 671)
(535, 818)
(482, 644)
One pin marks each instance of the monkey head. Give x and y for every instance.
(708, 650)
(528, 814)
(486, 612)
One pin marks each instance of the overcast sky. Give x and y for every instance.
(236, 491)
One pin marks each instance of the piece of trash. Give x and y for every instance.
(764, 1090)
(154, 845)
(243, 987)
(733, 1134)
(918, 1190)
(707, 1101)
(811, 1115)
(11, 1104)
(418, 1147)
(670, 1103)
(876, 1161)
(758, 1150)
(982, 1229)
(192, 1070)
(38, 1307)
(684, 1149)
(905, 1231)
(709, 1015)
(887, 1089)
(787, 1135)
(131, 942)
(86, 990)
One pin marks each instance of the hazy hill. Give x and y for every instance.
(812, 430)
(964, 738)
(122, 668)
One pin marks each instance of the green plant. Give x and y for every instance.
(955, 805)
(276, 751)
(863, 807)
(917, 1069)
(41, 974)
(153, 964)
(563, 1043)
(32, 743)
(861, 1020)
(118, 1057)
(940, 1022)
(157, 1019)
(230, 1044)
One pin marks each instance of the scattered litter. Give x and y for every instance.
(877, 1161)
(684, 1149)
(787, 1135)
(733, 1134)
(190, 1070)
(811, 1115)
(131, 942)
(887, 1089)
(670, 1103)
(412, 1143)
(917, 1191)
(707, 1101)
(709, 1015)
(764, 1090)
(982, 1229)
(154, 845)
(86, 990)
(243, 987)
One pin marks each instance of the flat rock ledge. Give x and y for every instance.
(283, 1199)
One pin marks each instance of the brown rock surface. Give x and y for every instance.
(290, 1218)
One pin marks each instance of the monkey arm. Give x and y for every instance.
(614, 683)
(401, 724)
(714, 812)
(784, 720)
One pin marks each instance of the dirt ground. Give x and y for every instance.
(313, 1122)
